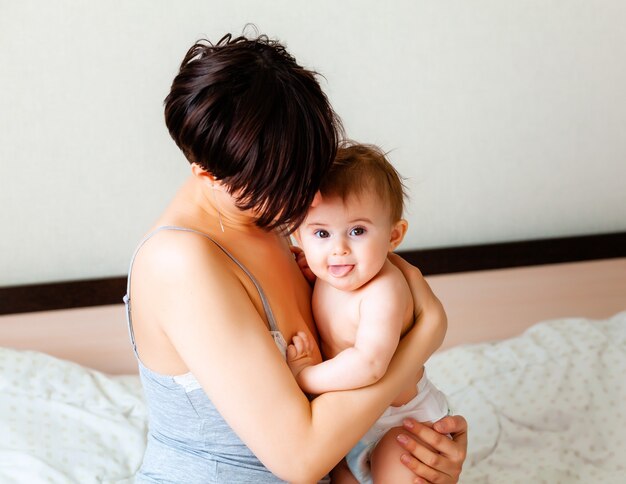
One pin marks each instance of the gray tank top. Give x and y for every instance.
(188, 440)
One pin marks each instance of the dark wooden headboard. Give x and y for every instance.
(98, 292)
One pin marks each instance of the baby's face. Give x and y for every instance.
(346, 242)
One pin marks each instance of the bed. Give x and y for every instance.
(535, 359)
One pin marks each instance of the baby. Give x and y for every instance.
(361, 302)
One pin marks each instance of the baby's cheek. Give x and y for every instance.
(315, 263)
(317, 270)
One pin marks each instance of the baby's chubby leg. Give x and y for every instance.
(341, 474)
(386, 466)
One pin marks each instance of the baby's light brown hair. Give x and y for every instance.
(361, 167)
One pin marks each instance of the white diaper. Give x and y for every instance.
(429, 405)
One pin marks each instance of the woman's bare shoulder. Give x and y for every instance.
(172, 266)
(171, 252)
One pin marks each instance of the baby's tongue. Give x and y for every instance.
(340, 271)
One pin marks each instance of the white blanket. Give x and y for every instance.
(63, 423)
(548, 406)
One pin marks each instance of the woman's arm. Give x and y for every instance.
(432, 455)
(429, 311)
(208, 316)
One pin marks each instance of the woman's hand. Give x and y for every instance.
(432, 455)
(429, 312)
(298, 253)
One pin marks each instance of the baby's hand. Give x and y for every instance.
(302, 263)
(299, 353)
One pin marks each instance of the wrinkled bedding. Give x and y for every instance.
(63, 423)
(547, 406)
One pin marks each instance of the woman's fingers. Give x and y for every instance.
(439, 442)
(425, 463)
(430, 316)
(422, 294)
(303, 264)
(440, 453)
(452, 424)
(426, 474)
(409, 271)
(455, 425)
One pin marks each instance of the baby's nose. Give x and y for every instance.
(341, 248)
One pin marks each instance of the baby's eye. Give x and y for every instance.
(357, 231)
(322, 234)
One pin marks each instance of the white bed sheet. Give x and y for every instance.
(548, 406)
(63, 423)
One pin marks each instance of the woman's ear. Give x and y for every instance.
(398, 231)
(202, 174)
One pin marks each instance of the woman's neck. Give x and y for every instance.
(208, 209)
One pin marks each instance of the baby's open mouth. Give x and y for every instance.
(340, 270)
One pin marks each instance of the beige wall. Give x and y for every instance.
(508, 118)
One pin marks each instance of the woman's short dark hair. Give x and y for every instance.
(246, 112)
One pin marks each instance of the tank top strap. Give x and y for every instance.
(127, 300)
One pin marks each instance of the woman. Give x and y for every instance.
(216, 292)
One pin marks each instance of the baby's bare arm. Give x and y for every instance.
(381, 313)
